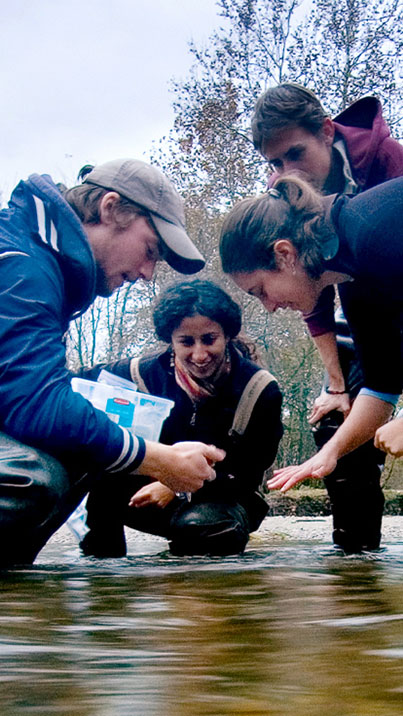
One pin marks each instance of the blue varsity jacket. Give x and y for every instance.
(47, 277)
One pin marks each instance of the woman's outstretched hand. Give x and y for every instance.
(318, 466)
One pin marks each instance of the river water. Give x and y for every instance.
(291, 627)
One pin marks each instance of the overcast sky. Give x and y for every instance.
(88, 80)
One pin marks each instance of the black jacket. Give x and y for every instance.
(210, 420)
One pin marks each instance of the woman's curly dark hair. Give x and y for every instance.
(192, 298)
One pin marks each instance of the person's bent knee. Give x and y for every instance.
(33, 489)
(209, 529)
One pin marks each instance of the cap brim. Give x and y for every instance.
(179, 251)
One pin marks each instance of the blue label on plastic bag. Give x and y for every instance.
(123, 409)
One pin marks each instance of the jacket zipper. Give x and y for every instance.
(193, 418)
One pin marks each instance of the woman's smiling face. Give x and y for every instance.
(281, 288)
(287, 286)
(199, 344)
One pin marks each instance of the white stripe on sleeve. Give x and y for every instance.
(128, 453)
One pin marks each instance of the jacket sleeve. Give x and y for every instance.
(37, 403)
(376, 329)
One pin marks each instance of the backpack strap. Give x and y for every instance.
(254, 387)
(136, 377)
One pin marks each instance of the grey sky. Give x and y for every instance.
(87, 80)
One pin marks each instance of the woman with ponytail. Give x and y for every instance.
(287, 246)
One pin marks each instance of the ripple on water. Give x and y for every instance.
(290, 628)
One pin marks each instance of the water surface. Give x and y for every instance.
(291, 627)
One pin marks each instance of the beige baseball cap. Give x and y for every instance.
(149, 187)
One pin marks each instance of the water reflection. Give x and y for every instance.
(287, 629)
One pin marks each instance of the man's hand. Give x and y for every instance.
(155, 494)
(325, 403)
(182, 467)
(318, 466)
(389, 438)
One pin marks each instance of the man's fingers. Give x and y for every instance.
(212, 476)
(139, 500)
(285, 476)
(284, 472)
(214, 454)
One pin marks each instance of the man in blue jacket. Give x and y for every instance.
(57, 253)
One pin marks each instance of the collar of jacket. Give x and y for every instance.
(59, 228)
(330, 246)
(363, 129)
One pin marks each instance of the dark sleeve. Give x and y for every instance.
(375, 328)
(370, 228)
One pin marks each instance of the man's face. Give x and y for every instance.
(296, 149)
(125, 255)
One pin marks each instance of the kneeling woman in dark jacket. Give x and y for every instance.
(205, 372)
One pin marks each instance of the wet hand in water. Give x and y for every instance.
(325, 403)
(316, 467)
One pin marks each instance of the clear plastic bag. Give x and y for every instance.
(77, 522)
(111, 379)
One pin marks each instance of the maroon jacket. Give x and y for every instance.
(374, 158)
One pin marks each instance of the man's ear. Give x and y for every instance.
(328, 131)
(107, 207)
(285, 254)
